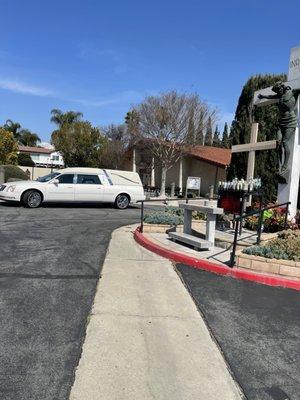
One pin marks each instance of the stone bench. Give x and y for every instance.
(194, 241)
(211, 212)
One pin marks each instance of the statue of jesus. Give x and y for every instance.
(287, 121)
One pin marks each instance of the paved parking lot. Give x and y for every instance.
(257, 328)
(50, 261)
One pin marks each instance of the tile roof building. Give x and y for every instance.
(207, 162)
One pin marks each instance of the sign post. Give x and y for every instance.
(193, 183)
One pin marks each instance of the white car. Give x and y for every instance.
(77, 185)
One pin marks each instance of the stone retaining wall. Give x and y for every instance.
(285, 268)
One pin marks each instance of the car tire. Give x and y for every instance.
(122, 201)
(32, 199)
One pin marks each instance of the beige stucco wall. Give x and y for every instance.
(209, 174)
(36, 172)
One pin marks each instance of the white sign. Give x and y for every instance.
(193, 182)
(294, 65)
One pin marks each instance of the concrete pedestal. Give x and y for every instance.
(211, 211)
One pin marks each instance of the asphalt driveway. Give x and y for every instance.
(50, 260)
(257, 328)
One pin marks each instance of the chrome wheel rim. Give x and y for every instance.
(34, 200)
(122, 201)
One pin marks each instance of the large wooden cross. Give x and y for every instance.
(252, 147)
(289, 191)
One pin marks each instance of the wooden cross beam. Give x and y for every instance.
(252, 147)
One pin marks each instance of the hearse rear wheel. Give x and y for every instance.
(122, 201)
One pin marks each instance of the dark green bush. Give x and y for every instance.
(25, 160)
(163, 218)
(12, 172)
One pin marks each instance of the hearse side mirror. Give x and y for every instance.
(55, 181)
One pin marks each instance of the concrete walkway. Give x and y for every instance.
(145, 338)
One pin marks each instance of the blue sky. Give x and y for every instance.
(100, 57)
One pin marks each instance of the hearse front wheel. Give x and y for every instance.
(122, 201)
(32, 199)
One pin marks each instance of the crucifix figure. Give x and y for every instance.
(287, 99)
(287, 123)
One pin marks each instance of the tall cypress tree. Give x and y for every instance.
(209, 133)
(191, 130)
(225, 137)
(216, 138)
(199, 137)
(267, 116)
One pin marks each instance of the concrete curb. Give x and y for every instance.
(264, 279)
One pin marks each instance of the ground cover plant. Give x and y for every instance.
(286, 247)
(170, 216)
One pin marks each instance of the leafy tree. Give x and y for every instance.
(225, 137)
(22, 136)
(12, 127)
(163, 126)
(114, 148)
(266, 161)
(216, 138)
(209, 133)
(8, 148)
(28, 138)
(25, 160)
(61, 118)
(79, 143)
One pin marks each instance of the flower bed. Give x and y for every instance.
(285, 247)
(278, 256)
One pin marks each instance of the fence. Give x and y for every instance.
(239, 221)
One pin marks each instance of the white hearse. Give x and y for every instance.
(77, 185)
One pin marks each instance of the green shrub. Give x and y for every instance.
(197, 215)
(12, 172)
(268, 251)
(163, 218)
(25, 160)
(289, 242)
(174, 210)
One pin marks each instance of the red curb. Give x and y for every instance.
(215, 268)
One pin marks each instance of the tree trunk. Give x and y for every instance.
(163, 182)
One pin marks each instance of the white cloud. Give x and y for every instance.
(129, 96)
(24, 88)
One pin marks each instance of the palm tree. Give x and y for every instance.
(12, 127)
(61, 118)
(28, 138)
